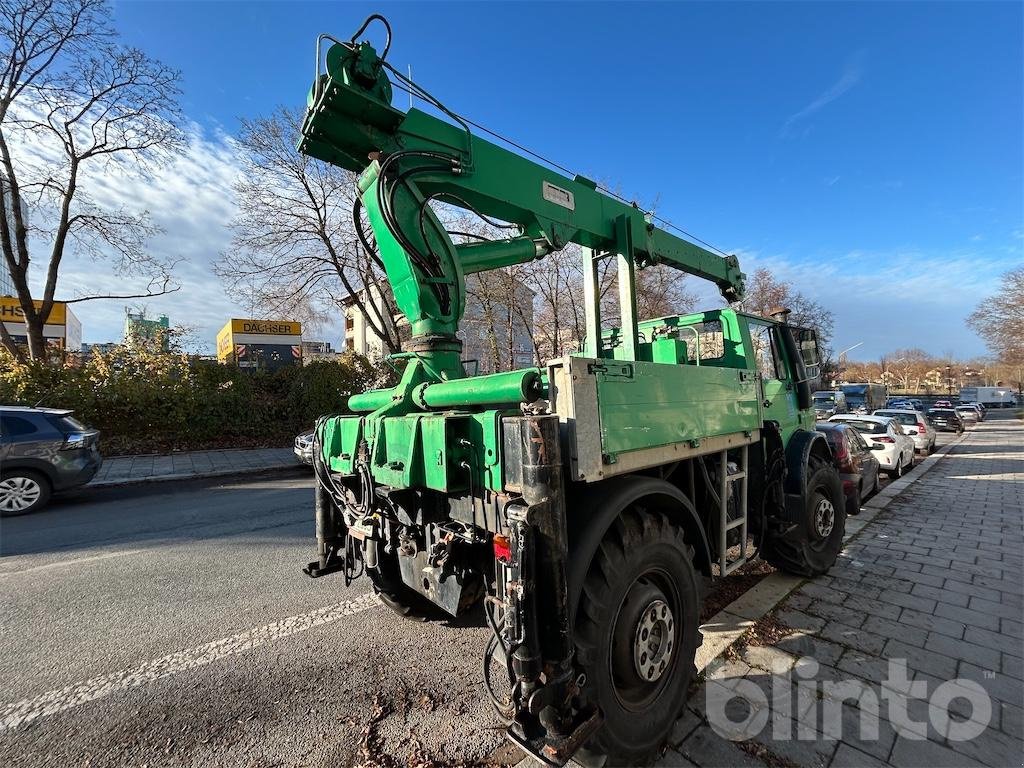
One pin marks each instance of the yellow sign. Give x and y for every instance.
(11, 311)
(224, 343)
(267, 327)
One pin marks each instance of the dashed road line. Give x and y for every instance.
(61, 699)
(65, 563)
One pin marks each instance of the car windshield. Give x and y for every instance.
(867, 427)
(902, 418)
(825, 398)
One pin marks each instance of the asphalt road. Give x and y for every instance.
(172, 625)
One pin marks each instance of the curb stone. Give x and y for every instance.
(231, 472)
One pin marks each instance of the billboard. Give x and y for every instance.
(62, 329)
(263, 344)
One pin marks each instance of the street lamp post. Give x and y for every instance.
(839, 359)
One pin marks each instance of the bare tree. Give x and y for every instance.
(999, 319)
(294, 247)
(73, 101)
(765, 293)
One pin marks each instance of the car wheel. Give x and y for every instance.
(878, 482)
(22, 491)
(897, 472)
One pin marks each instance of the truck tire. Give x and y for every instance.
(396, 595)
(811, 547)
(637, 631)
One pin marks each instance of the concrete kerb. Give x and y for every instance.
(230, 472)
(732, 622)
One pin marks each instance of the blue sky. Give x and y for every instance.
(871, 153)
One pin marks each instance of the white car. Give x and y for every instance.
(893, 447)
(915, 424)
(969, 415)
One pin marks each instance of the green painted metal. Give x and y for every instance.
(500, 388)
(646, 405)
(440, 429)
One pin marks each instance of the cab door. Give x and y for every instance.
(778, 391)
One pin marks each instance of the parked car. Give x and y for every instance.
(828, 403)
(918, 404)
(978, 407)
(895, 453)
(945, 420)
(968, 415)
(858, 467)
(942, 404)
(43, 450)
(304, 447)
(916, 425)
(899, 404)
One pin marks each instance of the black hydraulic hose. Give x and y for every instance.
(361, 234)
(385, 202)
(371, 18)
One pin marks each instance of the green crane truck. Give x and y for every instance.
(583, 503)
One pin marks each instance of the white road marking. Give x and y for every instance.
(59, 700)
(76, 561)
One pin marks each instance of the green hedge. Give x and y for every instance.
(147, 401)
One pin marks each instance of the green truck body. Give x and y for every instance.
(581, 502)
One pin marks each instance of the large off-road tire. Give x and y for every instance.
(22, 491)
(637, 631)
(811, 548)
(396, 595)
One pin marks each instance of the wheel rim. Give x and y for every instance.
(18, 493)
(824, 518)
(652, 645)
(644, 640)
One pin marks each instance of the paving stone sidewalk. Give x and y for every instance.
(932, 586)
(121, 470)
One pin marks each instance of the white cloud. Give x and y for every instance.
(852, 73)
(899, 299)
(191, 200)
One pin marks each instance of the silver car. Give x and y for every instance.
(304, 447)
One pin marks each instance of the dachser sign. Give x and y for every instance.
(11, 311)
(272, 327)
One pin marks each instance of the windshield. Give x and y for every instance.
(867, 427)
(902, 418)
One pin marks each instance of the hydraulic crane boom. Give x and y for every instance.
(579, 502)
(407, 159)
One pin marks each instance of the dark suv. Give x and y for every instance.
(42, 450)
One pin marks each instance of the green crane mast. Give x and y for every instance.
(660, 435)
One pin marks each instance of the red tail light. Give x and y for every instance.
(884, 440)
(921, 427)
(502, 549)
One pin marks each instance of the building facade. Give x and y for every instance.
(6, 282)
(62, 330)
(260, 344)
(140, 330)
